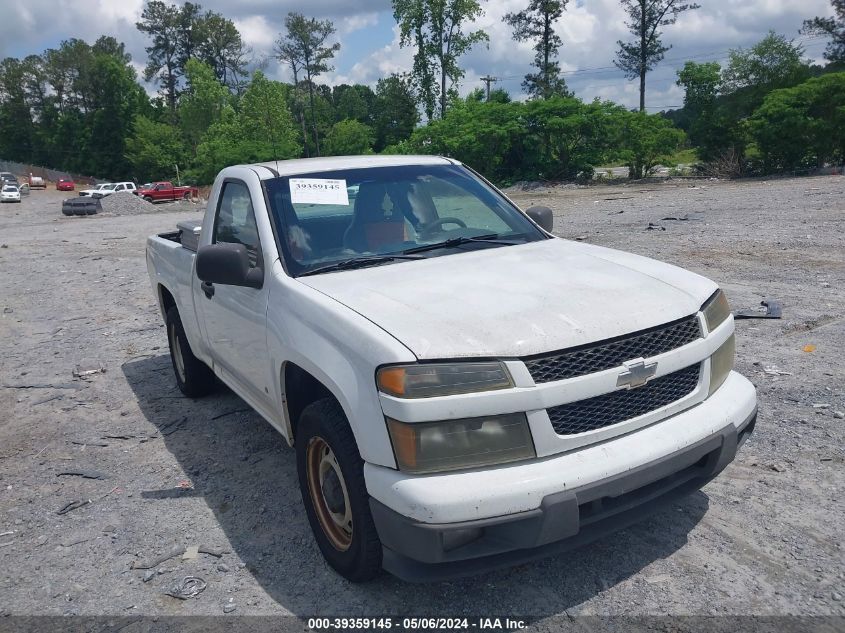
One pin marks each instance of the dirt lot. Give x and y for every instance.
(765, 538)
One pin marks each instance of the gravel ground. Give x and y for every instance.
(119, 204)
(764, 538)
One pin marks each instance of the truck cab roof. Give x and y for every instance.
(274, 169)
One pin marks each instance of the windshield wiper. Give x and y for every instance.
(357, 262)
(458, 241)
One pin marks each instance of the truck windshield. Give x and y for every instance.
(361, 215)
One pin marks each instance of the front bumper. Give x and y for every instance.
(684, 453)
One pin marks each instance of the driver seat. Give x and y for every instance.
(373, 227)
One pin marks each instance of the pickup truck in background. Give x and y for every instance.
(161, 191)
(89, 193)
(107, 188)
(463, 390)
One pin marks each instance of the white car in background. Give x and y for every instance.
(10, 193)
(106, 189)
(95, 189)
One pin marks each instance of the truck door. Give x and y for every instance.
(235, 316)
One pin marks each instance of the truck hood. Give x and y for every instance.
(516, 300)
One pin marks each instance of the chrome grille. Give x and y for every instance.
(624, 404)
(611, 353)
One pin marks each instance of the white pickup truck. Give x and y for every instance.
(463, 390)
(106, 189)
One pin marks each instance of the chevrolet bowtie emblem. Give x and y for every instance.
(636, 373)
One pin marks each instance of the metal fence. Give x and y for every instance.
(23, 170)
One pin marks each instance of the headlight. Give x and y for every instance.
(716, 310)
(721, 363)
(425, 381)
(428, 447)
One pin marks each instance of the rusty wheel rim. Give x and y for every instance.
(328, 492)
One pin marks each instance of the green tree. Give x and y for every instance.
(164, 24)
(802, 126)
(202, 103)
(435, 29)
(832, 27)
(17, 130)
(395, 111)
(645, 19)
(353, 102)
(711, 129)
(571, 136)
(550, 139)
(482, 135)
(189, 33)
(116, 98)
(349, 138)
(262, 129)
(154, 149)
(497, 95)
(219, 44)
(647, 140)
(537, 23)
(304, 49)
(702, 84)
(773, 62)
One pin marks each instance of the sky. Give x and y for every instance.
(370, 47)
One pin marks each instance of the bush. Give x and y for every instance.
(803, 126)
(561, 138)
(349, 138)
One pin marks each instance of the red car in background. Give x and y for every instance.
(63, 184)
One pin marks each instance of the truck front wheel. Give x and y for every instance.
(331, 480)
(193, 376)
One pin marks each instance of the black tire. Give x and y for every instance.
(79, 210)
(67, 211)
(148, 199)
(194, 377)
(324, 421)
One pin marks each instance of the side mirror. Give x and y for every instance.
(542, 216)
(227, 264)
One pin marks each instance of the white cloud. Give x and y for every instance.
(353, 23)
(257, 32)
(382, 62)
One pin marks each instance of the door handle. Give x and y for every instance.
(208, 289)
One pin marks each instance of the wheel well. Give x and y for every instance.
(301, 389)
(167, 299)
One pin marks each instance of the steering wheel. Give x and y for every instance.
(429, 228)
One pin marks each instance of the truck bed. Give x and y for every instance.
(170, 265)
(187, 234)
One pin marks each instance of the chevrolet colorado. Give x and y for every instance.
(463, 389)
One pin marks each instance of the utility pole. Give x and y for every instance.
(487, 79)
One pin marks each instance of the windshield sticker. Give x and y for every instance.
(318, 191)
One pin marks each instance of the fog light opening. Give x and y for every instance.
(453, 539)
